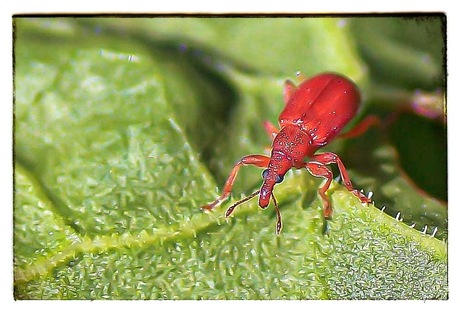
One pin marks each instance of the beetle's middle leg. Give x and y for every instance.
(271, 129)
(318, 169)
(255, 160)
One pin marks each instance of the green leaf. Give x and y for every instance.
(121, 136)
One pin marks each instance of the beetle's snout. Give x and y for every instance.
(264, 198)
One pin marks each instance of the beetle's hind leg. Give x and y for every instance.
(361, 127)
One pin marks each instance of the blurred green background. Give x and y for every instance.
(124, 127)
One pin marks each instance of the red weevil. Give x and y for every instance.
(315, 113)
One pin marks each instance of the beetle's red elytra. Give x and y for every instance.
(314, 114)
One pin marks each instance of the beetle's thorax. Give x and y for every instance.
(289, 149)
(294, 143)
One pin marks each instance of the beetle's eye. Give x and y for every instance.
(265, 173)
(279, 179)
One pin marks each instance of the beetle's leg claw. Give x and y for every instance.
(363, 198)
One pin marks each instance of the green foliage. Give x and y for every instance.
(124, 127)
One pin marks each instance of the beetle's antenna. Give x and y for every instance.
(241, 201)
(279, 224)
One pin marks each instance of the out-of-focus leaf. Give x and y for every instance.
(406, 57)
(278, 46)
(403, 52)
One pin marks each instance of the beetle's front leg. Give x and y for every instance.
(331, 158)
(255, 160)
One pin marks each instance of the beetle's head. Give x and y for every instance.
(270, 179)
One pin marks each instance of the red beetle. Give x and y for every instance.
(315, 112)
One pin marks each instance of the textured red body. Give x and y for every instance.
(315, 112)
(321, 106)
